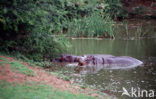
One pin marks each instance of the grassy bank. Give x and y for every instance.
(19, 80)
(16, 66)
(35, 91)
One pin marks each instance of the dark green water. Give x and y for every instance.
(112, 81)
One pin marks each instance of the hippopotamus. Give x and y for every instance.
(100, 60)
(108, 60)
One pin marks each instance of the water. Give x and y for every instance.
(112, 80)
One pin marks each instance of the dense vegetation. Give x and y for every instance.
(30, 26)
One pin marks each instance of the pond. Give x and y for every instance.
(113, 80)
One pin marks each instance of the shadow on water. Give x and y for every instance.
(113, 80)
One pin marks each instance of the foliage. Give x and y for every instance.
(21, 68)
(114, 8)
(29, 26)
(98, 21)
(93, 26)
(35, 91)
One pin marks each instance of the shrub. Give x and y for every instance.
(27, 28)
(114, 8)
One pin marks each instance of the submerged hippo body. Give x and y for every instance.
(101, 60)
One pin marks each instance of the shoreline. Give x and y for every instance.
(41, 76)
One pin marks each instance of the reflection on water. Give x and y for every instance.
(92, 69)
(113, 80)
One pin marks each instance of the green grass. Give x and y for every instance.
(17, 66)
(21, 68)
(35, 91)
(4, 60)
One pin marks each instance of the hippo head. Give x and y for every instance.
(81, 60)
(84, 60)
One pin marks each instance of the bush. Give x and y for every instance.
(27, 28)
(114, 8)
